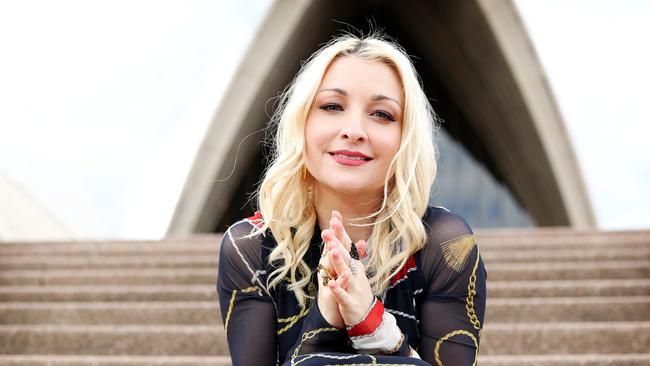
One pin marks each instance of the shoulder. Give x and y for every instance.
(243, 238)
(449, 237)
(246, 226)
(442, 225)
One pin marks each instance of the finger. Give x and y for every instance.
(336, 240)
(324, 235)
(329, 239)
(362, 248)
(340, 295)
(332, 242)
(344, 279)
(337, 261)
(339, 231)
(325, 262)
(345, 238)
(328, 235)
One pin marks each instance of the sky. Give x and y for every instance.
(596, 57)
(103, 104)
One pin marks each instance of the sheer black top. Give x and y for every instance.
(438, 299)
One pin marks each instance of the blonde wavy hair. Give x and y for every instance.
(284, 196)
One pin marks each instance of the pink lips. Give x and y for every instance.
(351, 158)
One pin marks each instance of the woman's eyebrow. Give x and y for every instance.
(383, 97)
(374, 97)
(336, 90)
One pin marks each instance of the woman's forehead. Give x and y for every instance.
(355, 75)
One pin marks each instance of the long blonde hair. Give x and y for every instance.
(284, 196)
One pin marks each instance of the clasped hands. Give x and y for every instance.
(345, 296)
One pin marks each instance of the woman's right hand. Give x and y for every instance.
(327, 304)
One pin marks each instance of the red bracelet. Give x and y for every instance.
(370, 323)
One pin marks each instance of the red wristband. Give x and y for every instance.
(370, 323)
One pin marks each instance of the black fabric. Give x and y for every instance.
(429, 301)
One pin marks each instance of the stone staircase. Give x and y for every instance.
(555, 297)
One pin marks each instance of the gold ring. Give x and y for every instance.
(325, 274)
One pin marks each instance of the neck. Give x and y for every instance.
(351, 206)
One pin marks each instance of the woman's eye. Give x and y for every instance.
(331, 107)
(384, 115)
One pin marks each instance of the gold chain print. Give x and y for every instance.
(452, 334)
(471, 313)
(308, 335)
(232, 303)
(292, 320)
(471, 291)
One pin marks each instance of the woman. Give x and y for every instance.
(345, 262)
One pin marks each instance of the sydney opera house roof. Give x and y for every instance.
(506, 158)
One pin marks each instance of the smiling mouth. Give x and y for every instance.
(343, 156)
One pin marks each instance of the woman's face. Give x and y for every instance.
(354, 126)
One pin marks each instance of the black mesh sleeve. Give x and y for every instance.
(247, 309)
(453, 308)
(317, 335)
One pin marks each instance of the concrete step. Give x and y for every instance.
(498, 339)
(125, 360)
(484, 360)
(559, 231)
(489, 240)
(89, 313)
(207, 292)
(500, 272)
(204, 313)
(520, 239)
(128, 276)
(568, 309)
(193, 238)
(208, 245)
(21, 262)
(119, 293)
(555, 296)
(210, 258)
(639, 359)
(564, 288)
(569, 270)
(115, 249)
(565, 338)
(565, 255)
(150, 340)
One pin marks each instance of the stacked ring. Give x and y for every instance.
(325, 274)
(354, 253)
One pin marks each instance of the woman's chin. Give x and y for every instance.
(356, 188)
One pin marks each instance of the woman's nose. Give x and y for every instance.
(354, 129)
